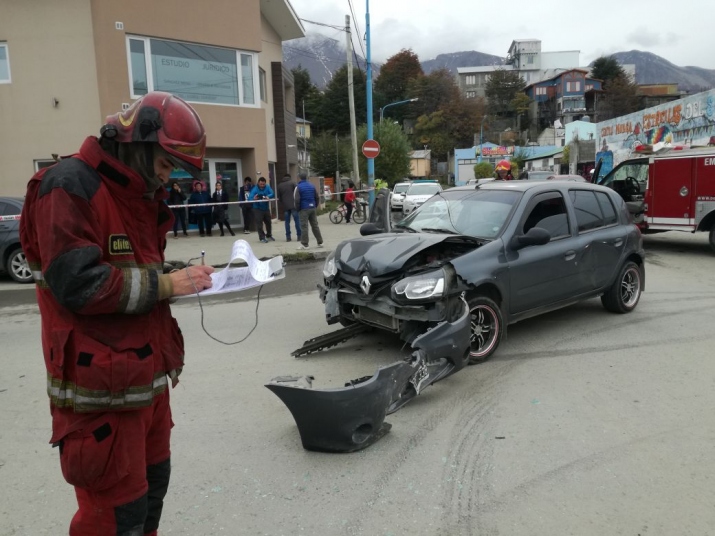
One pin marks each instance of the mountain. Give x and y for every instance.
(653, 69)
(321, 56)
(454, 60)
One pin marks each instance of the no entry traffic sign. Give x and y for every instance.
(371, 149)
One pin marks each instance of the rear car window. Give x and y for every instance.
(609, 213)
(588, 211)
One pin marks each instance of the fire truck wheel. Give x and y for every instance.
(624, 294)
(712, 237)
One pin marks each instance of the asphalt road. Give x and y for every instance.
(584, 423)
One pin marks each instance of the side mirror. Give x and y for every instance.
(536, 236)
(367, 229)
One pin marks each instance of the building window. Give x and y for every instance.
(4, 64)
(530, 59)
(573, 86)
(589, 87)
(541, 91)
(471, 94)
(196, 73)
(262, 84)
(471, 79)
(41, 164)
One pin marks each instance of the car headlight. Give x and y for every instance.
(330, 268)
(421, 287)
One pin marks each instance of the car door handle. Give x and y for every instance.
(618, 242)
(570, 255)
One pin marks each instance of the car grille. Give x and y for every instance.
(375, 317)
(377, 284)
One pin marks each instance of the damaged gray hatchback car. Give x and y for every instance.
(448, 279)
(512, 249)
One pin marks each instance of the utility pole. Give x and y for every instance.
(370, 161)
(351, 97)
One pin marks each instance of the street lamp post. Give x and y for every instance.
(382, 110)
(481, 140)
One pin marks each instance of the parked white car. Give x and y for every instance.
(397, 197)
(418, 193)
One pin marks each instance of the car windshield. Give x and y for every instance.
(423, 189)
(478, 213)
(637, 169)
(400, 188)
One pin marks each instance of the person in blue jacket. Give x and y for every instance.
(261, 210)
(202, 213)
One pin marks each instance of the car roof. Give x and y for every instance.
(523, 186)
(18, 200)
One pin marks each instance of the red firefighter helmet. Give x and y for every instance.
(504, 164)
(162, 118)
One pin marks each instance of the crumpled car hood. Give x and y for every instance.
(381, 254)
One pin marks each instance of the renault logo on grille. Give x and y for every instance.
(365, 284)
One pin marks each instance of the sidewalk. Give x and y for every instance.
(218, 248)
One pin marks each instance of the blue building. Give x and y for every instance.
(564, 97)
(465, 159)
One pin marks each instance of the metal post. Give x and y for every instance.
(351, 97)
(370, 161)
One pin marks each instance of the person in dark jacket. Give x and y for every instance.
(177, 197)
(246, 207)
(93, 231)
(261, 211)
(202, 213)
(221, 209)
(306, 200)
(285, 196)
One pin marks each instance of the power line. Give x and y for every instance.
(342, 29)
(357, 28)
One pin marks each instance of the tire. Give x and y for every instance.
(18, 268)
(712, 237)
(359, 217)
(336, 216)
(487, 326)
(624, 294)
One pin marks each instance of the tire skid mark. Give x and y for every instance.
(469, 461)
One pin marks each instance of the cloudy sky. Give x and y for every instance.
(681, 32)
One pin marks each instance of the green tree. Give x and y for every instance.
(621, 98)
(333, 115)
(434, 130)
(305, 92)
(435, 91)
(501, 91)
(392, 83)
(483, 170)
(328, 154)
(393, 162)
(607, 68)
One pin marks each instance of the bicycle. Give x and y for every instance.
(358, 216)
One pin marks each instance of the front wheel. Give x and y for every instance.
(487, 328)
(336, 216)
(359, 215)
(18, 268)
(624, 294)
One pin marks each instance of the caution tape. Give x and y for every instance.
(272, 200)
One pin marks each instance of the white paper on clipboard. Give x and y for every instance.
(237, 278)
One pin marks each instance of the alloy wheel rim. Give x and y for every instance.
(484, 325)
(20, 267)
(630, 287)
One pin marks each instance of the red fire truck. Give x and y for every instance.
(671, 189)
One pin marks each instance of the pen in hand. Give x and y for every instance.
(203, 256)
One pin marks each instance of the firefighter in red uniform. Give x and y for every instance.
(503, 171)
(93, 229)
